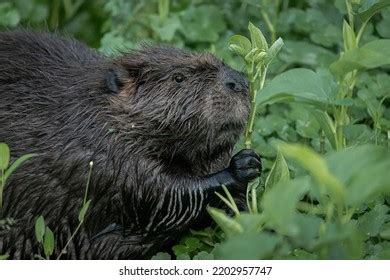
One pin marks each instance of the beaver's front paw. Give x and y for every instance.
(245, 166)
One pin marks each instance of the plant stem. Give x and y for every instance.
(322, 142)
(254, 91)
(2, 181)
(63, 251)
(269, 25)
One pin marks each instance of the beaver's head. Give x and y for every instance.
(192, 103)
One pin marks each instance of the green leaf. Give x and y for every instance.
(48, 242)
(372, 55)
(303, 255)
(10, 17)
(279, 205)
(16, 164)
(257, 38)
(278, 173)
(243, 45)
(342, 241)
(299, 85)
(203, 256)
(327, 125)
(274, 50)
(370, 223)
(370, 9)
(301, 52)
(248, 247)
(318, 168)
(369, 183)
(385, 231)
(83, 211)
(180, 249)
(202, 23)
(251, 222)
(161, 256)
(308, 230)
(183, 257)
(349, 37)
(364, 172)
(227, 224)
(165, 28)
(39, 229)
(4, 257)
(4, 156)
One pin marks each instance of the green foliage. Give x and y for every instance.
(44, 236)
(6, 170)
(327, 89)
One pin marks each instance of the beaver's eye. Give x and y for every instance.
(179, 78)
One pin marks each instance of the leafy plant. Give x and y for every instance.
(44, 236)
(257, 56)
(5, 169)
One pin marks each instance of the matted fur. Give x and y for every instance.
(151, 139)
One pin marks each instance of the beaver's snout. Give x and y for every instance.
(235, 81)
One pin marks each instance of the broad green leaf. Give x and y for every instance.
(369, 183)
(318, 168)
(370, 223)
(183, 257)
(179, 249)
(303, 255)
(4, 156)
(371, 8)
(279, 205)
(10, 17)
(243, 44)
(257, 38)
(40, 229)
(362, 170)
(83, 211)
(202, 23)
(248, 247)
(165, 28)
(4, 257)
(300, 85)
(16, 164)
(358, 134)
(308, 230)
(48, 242)
(161, 256)
(373, 54)
(342, 241)
(278, 173)
(227, 224)
(192, 243)
(327, 125)
(203, 256)
(385, 231)
(301, 52)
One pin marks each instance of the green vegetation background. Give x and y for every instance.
(313, 34)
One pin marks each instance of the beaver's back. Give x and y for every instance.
(41, 76)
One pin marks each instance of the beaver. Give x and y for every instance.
(159, 124)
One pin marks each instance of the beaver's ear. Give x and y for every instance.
(134, 63)
(114, 79)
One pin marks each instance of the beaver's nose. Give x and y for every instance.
(236, 81)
